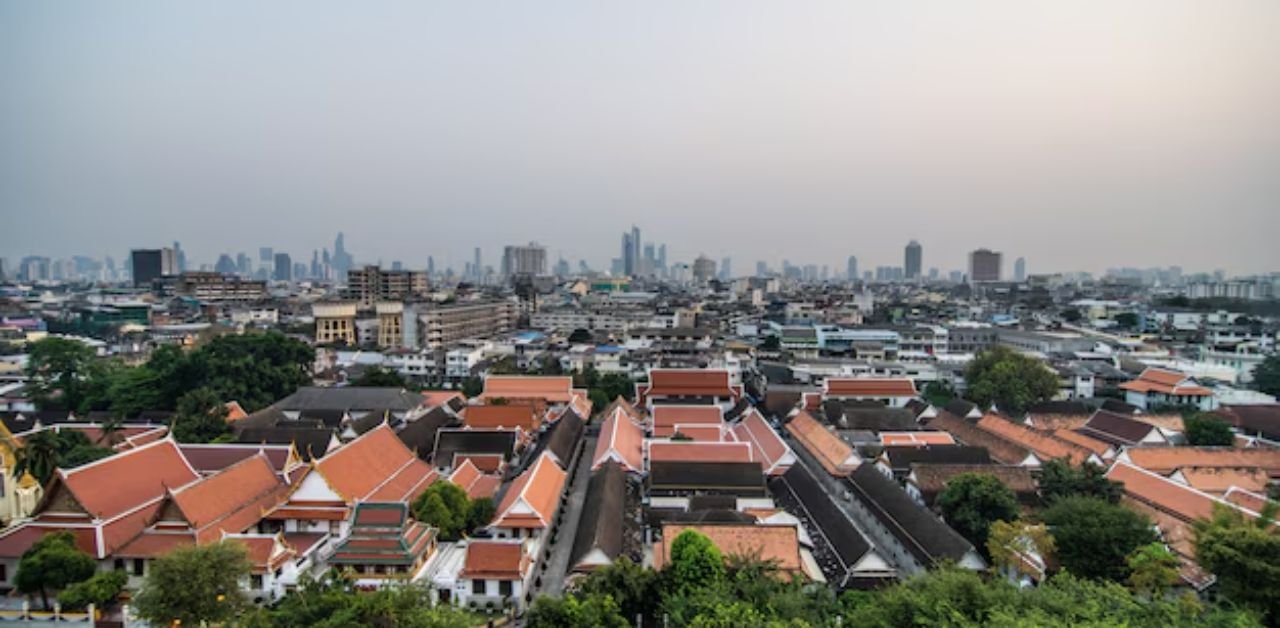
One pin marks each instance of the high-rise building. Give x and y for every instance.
(152, 264)
(662, 258)
(34, 268)
(266, 261)
(726, 269)
(283, 267)
(341, 260)
(914, 258)
(477, 270)
(527, 260)
(851, 268)
(704, 269)
(315, 265)
(180, 257)
(1020, 269)
(636, 247)
(224, 265)
(984, 265)
(244, 265)
(762, 269)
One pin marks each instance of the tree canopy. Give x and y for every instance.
(201, 417)
(102, 589)
(1244, 554)
(1058, 479)
(1010, 380)
(1266, 375)
(195, 585)
(46, 451)
(1094, 537)
(447, 507)
(332, 602)
(1153, 569)
(379, 377)
(1203, 430)
(971, 502)
(60, 370)
(53, 563)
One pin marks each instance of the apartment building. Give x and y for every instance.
(441, 326)
(335, 322)
(214, 286)
(371, 284)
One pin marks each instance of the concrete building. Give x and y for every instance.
(704, 269)
(1020, 270)
(441, 326)
(152, 264)
(335, 322)
(283, 268)
(390, 324)
(984, 265)
(372, 284)
(214, 286)
(530, 259)
(914, 260)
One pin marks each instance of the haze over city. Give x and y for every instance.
(1080, 135)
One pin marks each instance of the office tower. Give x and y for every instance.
(4, 269)
(934, 273)
(33, 268)
(225, 265)
(341, 260)
(477, 269)
(149, 265)
(984, 265)
(1020, 269)
(244, 266)
(431, 265)
(651, 254)
(662, 257)
(180, 257)
(726, 268)
(636, 245)
(914, 257)
(851, 268)
(562, 268)
(528, 260)
(957, 276)
(704, 269)
(762, 269)
(283, 267)
(315, 264)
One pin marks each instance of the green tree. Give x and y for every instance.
(255, 369)
(59, 370)
(1010, 380)
(53, 563)
(1244, 554)
(75, 449)
(1058, 479)
(632, 586)
(615, 385)
(38, 456)
(1153, 569)
(332, 602)
(1127, 320)
(695, 561)
(771, 343)
(572, 611)
(480, 512)
(580, 336)
(1009, 541)
(1094, 536)
(1203, 430)
(938, 393)
(445, 506)
(201, 417)
(378, 377)
(102, 590)
(472, 387)
(971, 502)
(195, 585)
(1266, 375)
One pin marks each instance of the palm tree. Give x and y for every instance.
(37, 456)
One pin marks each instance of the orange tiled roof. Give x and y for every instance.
(620, 440)
(1166, 382)
(1088, 442)
(536, 493)
(523, 416)
(1162, 493)
(551, 389)
(495, 560)
(1165, 460)
(701, 433)
(968, 432)
(699, 452)
(114, 485)
(766, 445)
(1045, 446)
(1218, 480)
(369, 463)
(475, 482)
(231, 500)
(1248, 500)
(835, 455)
(689, 383)
(769, 542)
(869, 387)
(905, 439)
(666, 418)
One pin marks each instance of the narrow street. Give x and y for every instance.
(553, 578)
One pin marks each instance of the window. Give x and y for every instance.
(504, 588)
(4, 572)
(477, 587)
(119, 565)
(255, 582)
(139, 566)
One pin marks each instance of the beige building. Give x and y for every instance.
(335, 322)
(371, 284)
(211, 286)
(390, 324)
(441, 326)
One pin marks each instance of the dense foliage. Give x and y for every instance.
(378, 377)
(201, 418)
(603, 389)
(1203, 430)
(973, 501)
(1153, 569)
(1008, 379)
(51, 564)
(333, 603)
(1266, 375)
(101, 590)
(1094, 537)
(254, 369)
(194, 585)
(47, 450)
(447, 507)
(1244, 554)
(1058, 479)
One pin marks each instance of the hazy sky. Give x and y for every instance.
(1081, 134)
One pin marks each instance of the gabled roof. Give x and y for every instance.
(780, 544)
(687, 383)
(690, 451)
(967, 432)
(963, 409)
(621, 440)
(738, 478)
(767, 446)
(1262, 419)
(512, 415)
(1101, 449)
(419, 435)
(231, 500)
(550, 389)
(383, 534)
(923, 535)
(112, 486)
(310, 399)
(864, 387)
(562, 438)
(598, 539)
(1045, 446)
(667, 418)
(817, 506)
(211, 458)
(1165, 460)
(1218, 480)
(1165, 382)
(900, 459)
(1116, 429)
(309, 442)
(916, 439)
(375, 466)
(495, 560)
(1179, 500)
(932, 478)
(848, 414)
(475, 482)
(836, 456)
(451, 442)
(532, 498)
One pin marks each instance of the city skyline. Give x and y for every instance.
(825, 131)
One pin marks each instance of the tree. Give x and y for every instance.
(333, 602)
(695, 561)
(580, 336)
(201, 417)
(938, 393)
(632, 586)
(1204, 430)
(1009, 541)
(480, 513)
(1058, 479)
(59, 371)
(1071, 315)
(75, 449)
(38, 456)
(1094, 537)
(255, 369)
(378, 377)
(1127, 320)
(1153, 569)
(53, 562)
(445, 506)
(1010, 380)
(771, 343)
(472, 387)
(1266, 375)
(971, 502)
(1244, 554)
(195, 585)
(102, 590)
(571, 611)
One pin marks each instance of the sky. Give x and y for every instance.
(1081, 135)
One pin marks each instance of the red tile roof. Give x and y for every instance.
(523, 416)
(621, 440)
(230, 501)
(766, 445)
(869, 387)
(699, 452)
(688, 383)
(835, 455)
(917, 439)
(780, 543)
(1165, 460)
(375, 466)
(495, 560)
(112, 486)
(476, 483)
(551, 389)
(667, 418)
(1045, 446)
(532, 498)
(1165, 382)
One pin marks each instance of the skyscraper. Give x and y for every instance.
(914, 257)
(1020, 269)
(851, 268)
(180, 257)
(726, 268)
(150, 265)
(762, 269)
(984, 265)
(527, 260)
(283, 267)
(636, 247)
(477, 270)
